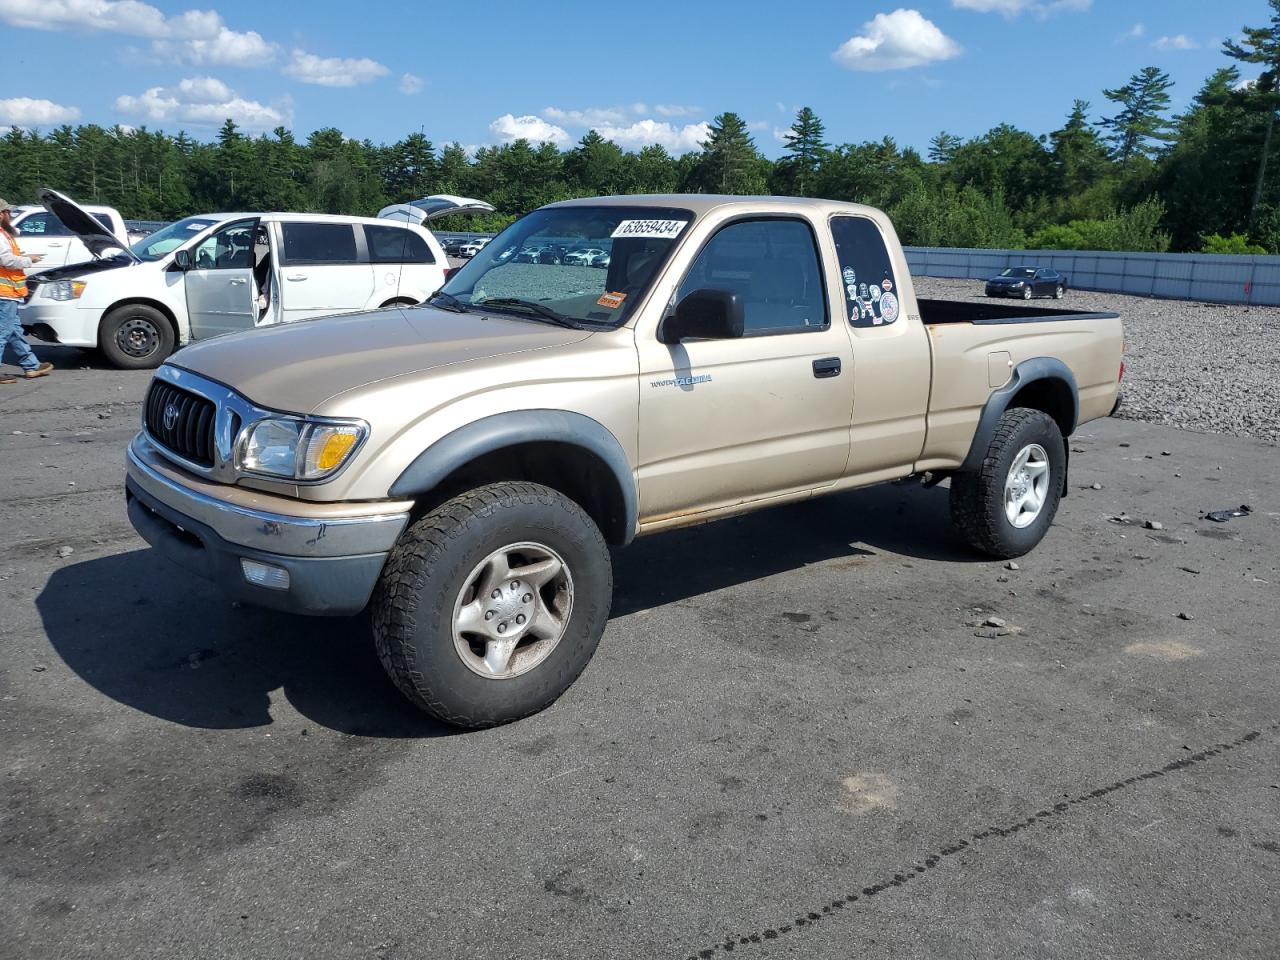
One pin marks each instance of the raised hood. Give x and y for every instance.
(294, 367)
(76, 219)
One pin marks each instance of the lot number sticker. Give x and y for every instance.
(661, 229)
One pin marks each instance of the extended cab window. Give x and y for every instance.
(866, 272)
(396, 245)
(772, 265)
(309, 243)
(42, 224)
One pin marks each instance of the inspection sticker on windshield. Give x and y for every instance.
(611, 300)
(661, 229)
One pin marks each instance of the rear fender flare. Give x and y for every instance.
(1027, 372)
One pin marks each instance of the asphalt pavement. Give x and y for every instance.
(823, 731)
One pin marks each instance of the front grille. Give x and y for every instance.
(191, 419)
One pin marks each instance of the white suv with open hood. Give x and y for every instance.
(223, 272)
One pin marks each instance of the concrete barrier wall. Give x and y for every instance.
(1179, 276)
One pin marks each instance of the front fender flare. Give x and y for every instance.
(513, 429)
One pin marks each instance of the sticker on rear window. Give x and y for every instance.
(611, 300)
(661, 229)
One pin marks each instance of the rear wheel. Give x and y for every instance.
(491, 605)
(1005, 507)
(135, 337)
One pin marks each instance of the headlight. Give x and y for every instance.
(297, 449)
(63, 290)
(1019, 284)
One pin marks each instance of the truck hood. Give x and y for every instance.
(296, 366)
(78, 220)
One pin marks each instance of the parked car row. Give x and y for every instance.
(218, 273)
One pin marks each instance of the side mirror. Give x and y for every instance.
(182, 260)
(704, 315)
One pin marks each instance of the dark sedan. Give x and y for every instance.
(1028, 282)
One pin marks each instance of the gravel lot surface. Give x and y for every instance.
(1201, 366)
(822, 731)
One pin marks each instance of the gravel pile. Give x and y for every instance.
(1197, 366)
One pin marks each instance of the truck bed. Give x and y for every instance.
(963, 311)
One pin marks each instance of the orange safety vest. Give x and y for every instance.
(13, 281)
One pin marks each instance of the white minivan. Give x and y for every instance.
(223, 272)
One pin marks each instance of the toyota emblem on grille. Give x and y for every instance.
(170, 415)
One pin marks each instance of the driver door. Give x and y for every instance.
(221, 296)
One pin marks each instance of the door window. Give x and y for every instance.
(866, 272)
(310, 242)
(42, 224)
(772, 265)
(396, 245)
(230, 248)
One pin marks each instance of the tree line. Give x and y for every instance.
(1138, 178)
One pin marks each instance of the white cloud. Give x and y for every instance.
(590, 117)
(411, 83)
(26, 112)
(202, 101)
(781, 133)
(1179, 42)
(1012, 8)
(674, 110)
(639, 108)
(223, 47)
(1137, 31)
(895, 41)
(196, 36)
(333, 71)
(113, 16)
(509, 128)
(644, 133)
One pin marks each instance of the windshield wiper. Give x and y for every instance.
(532, 305)
(452, 303)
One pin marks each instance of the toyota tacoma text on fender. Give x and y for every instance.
(462, 467)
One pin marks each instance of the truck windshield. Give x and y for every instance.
(543, 260)
(155, 245)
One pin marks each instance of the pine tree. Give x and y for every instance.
(1261, 45)
(806, 148)
(1079, 156)
(943, 147)
(729, 161)
(1145, 100)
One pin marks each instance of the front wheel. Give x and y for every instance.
(491, 605)
(1005, 507)
(1058, 292)
(135, 337)
(1026, 293)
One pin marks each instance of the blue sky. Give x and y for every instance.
(642, 72)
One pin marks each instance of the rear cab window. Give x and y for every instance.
(866, 272)
(41, 224)
(308, 242)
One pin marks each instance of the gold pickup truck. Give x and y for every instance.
(464, 465)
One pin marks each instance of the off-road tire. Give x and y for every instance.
(413, 603)
(110, 326)
(977, 497)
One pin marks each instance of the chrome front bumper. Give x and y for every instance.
(333, 558)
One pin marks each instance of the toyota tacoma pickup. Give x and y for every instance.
(463, 467)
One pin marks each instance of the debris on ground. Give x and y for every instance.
(65, 551)
(1186, 616)
(1222, 516)
(1011, 565)
(1095, 486)
(1154, 525)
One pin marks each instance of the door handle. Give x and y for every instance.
(296, 276)
(57, 244)
(826, 367)
(237, 281)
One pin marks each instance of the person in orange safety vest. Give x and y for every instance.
(13, 288)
